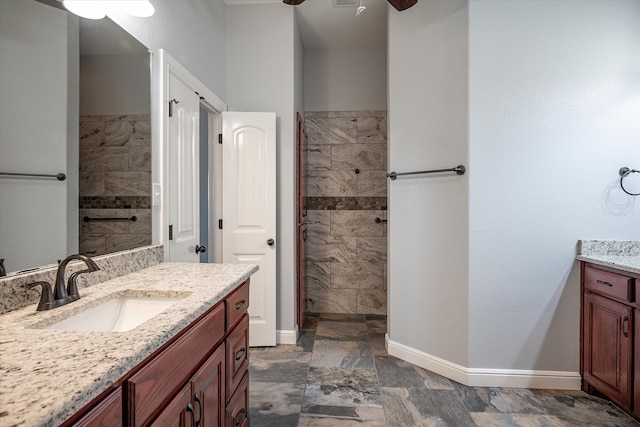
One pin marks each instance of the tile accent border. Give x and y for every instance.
(115, 202)
(480, 377)
(346, 203)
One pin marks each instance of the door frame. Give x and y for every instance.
(162, 65)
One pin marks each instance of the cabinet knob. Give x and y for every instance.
(193, 415)
(196, 398)
(240, 304)
(271, 242)
(240, 417)
(202, 249)
(240, 354)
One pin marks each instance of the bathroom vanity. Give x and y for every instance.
(189, 363)
(610, 328)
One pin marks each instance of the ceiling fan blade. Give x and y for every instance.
(292, 2)
(401, 5)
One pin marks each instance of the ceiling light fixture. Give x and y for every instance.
(361, 8)
(98, 9)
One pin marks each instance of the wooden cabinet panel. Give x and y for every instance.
(636, 363)
(238, 407)
(616, 286)
(107, 413)
(237, 355)
(608, 333)
(179, 412)
(237, 304)
(158, 380)
(208, 390)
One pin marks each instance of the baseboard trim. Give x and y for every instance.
(479, 377)
(287, 337)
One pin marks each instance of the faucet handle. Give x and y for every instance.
(72, 285)
(46, 297)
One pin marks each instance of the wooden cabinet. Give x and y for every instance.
(178, 412)
(198, 378)
(607, 348)
(610, 326)
(108, 412)
(636, 363)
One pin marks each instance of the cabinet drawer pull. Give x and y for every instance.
(602, 282)
(193, 414)
(199, 402)
(240, 354)
(625, 326)
(239, 417)
(240, 304)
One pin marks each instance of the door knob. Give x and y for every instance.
(271, 242)
(202, 249)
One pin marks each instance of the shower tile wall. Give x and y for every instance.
(115, 181)
(346, 248)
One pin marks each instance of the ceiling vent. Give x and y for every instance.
(346, 3)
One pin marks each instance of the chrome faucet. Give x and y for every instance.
(60, 295)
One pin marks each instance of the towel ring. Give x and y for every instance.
(624, 172)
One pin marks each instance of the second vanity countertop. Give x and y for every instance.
(630, 264)
(623, 255)
(48, 375)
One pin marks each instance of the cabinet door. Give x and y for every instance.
(208, 389)
(178, 413)
(106, 413)
(608, 334)
(636, 371)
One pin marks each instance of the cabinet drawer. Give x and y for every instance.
(237, 355)
(237, 304)
(238, 408)
(158, 380)
(106, 413)
(605, 283)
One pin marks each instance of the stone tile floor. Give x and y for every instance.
(340, 374)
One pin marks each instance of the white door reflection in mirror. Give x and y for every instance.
(182, 176)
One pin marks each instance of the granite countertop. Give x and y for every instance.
(46, 376)
(621, 254)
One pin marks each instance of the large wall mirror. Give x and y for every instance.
(75, 100)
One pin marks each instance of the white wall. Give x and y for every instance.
(345, 79)
(428, 215)
(192, 32)
(260, 77)
(483, 265)
(554, 107)
(39, 123)
(115, 84)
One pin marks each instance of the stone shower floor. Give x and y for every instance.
(340, 374)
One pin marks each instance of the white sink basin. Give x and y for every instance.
(118, 314)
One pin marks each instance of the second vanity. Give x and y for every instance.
(167, 369)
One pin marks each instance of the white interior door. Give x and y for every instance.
(249, 212)
(182, 175)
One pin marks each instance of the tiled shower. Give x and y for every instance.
(115, 182)
(347, 212)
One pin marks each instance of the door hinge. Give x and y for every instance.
(173, 101)
(219, 138)
(171, 232)
(220, 224)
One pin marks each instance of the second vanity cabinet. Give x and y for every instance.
(610, 329)
(199, 378)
